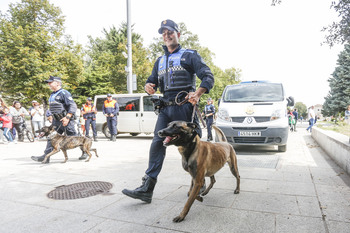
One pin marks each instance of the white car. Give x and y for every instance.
(140, 118)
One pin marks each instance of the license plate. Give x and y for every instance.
(249, 134)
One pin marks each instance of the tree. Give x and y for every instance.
(191, 41)
(338, 32)
(105, 66)
(32, 47)
(302, 109)
(339, 96)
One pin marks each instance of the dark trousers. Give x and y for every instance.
(92, 122)
(19, 131)
(209, 122)
(157, 151)
(69, 130)
(112, 125)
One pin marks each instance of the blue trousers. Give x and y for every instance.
(91, 122)
(112, 125)
(69, 130)
(311, 124)
(209, 121)
(157, 151)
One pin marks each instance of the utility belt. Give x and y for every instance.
(90, 117)
(59, 116)
(160, 103)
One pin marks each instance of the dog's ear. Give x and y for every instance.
(192, 125)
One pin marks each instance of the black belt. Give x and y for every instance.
(169, 103)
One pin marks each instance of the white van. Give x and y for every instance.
(138, 119)
(255, 113)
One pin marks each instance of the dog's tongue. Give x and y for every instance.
(167, 140)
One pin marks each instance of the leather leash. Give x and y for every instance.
(195, 108)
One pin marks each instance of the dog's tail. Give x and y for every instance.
(219, 134)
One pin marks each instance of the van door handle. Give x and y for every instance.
(137, 114)
(141, 114)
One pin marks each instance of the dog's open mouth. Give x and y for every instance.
(169, 139)
(42, 134)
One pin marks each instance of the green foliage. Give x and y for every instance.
(105, 65)
(339, 96)
(302, 109)
(339, 32)
(32, 47)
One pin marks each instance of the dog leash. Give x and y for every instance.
(195, 108)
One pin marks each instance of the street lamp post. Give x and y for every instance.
(129, 45)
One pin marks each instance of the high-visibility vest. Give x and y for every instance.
(88, 108)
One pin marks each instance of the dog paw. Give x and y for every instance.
(178, 219)
(199, 198)
(236, 192)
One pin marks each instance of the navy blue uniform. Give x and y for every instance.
(111, 107)
(209, 108)
(90, 119)
(172, 73)
(61, 103)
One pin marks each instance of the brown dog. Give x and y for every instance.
(199, 158)
(64, 143)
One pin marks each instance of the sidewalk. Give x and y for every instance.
(301, 190)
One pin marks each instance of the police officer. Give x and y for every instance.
(172, 73)
(89, 114)
(209, 112)
(62, 108)
(110, 110)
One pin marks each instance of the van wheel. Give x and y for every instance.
(282, 148)
(105, 131)
(134, 134)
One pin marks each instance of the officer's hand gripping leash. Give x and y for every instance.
(195, 107)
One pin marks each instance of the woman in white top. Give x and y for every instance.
(37, 114)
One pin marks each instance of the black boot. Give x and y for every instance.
(114, 137)
(40, 158)
(144, 192)
(95, 138)
(83, 156)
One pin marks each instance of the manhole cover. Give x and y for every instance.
(79, 190)
(258, 161)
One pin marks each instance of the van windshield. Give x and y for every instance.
(254, 92)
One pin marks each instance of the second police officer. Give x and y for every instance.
(89, 114)
(110, 109)
(62, 108)
(209, 112)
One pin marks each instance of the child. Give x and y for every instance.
(7, 124)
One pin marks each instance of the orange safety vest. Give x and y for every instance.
(88, 108)
(109, 106)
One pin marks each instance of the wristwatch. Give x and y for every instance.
(68, 117)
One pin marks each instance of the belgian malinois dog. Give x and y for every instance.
(199, 158)
(64, 143)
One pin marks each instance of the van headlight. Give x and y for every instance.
(223, 115)
(277, 114)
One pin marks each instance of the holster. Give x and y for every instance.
(59, 116)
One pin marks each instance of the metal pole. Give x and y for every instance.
(129, 45)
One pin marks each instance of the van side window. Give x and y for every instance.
(129, 103)
(99, 104)
(148, 104)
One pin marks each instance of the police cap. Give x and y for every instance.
(53, 78)
(109, 95)
(89, 99)
(168, 24)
